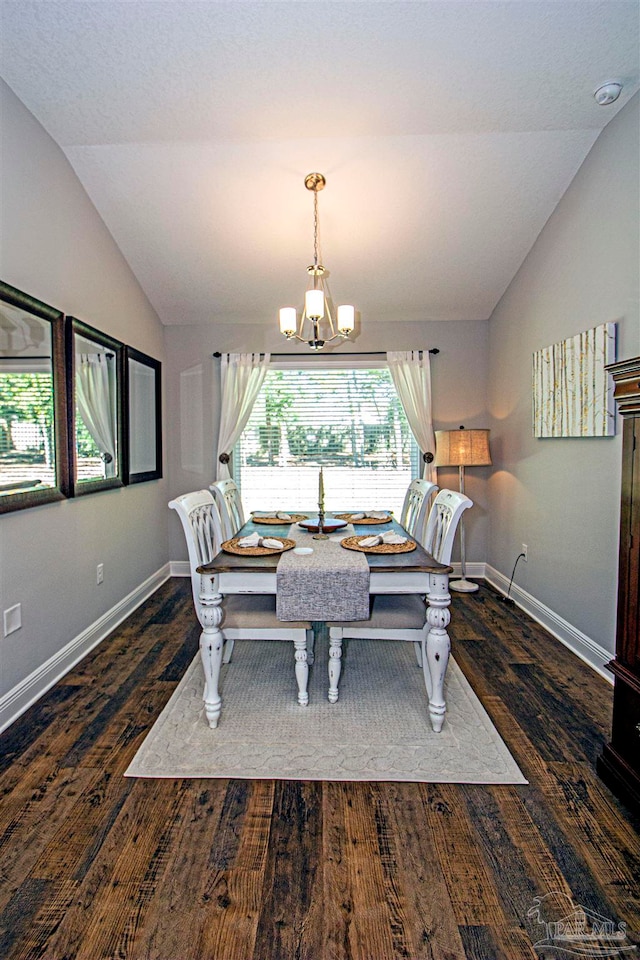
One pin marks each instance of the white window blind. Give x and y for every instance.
(347, 421)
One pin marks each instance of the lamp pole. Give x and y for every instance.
(463, 585)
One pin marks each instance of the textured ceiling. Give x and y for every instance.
(447, 131)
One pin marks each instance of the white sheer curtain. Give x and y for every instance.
(411, 374)
(242, 377)
(96, 405)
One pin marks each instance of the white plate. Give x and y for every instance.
(303, 551)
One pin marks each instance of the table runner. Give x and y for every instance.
(329, 584)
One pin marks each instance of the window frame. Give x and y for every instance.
(74, 326)
(142, 476)
(20, 500)
(330, 362)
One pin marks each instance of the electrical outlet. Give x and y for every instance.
(525, 552)
(12, 619)
(100, 573)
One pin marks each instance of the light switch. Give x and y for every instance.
(12, 619)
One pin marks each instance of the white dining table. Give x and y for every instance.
(402, 573)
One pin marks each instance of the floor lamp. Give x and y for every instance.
(462, 448)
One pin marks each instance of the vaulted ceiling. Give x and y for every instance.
(447, 131)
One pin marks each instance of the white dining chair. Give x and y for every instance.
(246, 616)
(401, 616)
(415, 508)
(227, 496)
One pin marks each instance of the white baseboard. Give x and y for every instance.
(179, 568)
(474, 570)
(22, 696)
(582, 645)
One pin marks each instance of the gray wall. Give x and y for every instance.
(458, 373)
(561, 496)
(55, 247)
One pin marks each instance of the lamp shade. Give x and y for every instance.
(462, 448)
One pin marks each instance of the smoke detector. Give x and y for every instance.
(608, 92)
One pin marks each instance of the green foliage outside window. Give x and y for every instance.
(327, 417)
(27, 399)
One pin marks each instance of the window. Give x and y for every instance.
(348, 421)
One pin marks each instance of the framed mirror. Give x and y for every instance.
(143, 422)
(95, 372)
(33, 425)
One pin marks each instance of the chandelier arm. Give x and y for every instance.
(296, 336)
(328, 314)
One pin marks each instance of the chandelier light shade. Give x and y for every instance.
(462, 448)
(314, 304)
(318, 306)
(288, 321)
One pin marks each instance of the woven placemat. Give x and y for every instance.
(365, 520)
(293, 518)
(231, 546)
(353, 543)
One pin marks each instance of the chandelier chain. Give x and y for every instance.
(315, 228)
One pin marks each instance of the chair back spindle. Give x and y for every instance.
(229, 502)
(442, 524)
(416, 506)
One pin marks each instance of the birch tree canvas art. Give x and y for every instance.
(572, 391)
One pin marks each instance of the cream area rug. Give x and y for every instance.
(378, 730)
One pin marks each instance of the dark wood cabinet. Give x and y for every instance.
(619, 765)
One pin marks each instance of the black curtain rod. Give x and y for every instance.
(357, 353)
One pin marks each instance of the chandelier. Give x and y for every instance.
(318, 306)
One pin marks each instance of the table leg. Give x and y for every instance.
(302, 671)
(211, 646)
(335, 665)
(436, 647)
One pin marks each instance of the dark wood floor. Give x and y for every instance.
(95, 866)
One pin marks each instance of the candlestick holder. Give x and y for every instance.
(320, 535)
